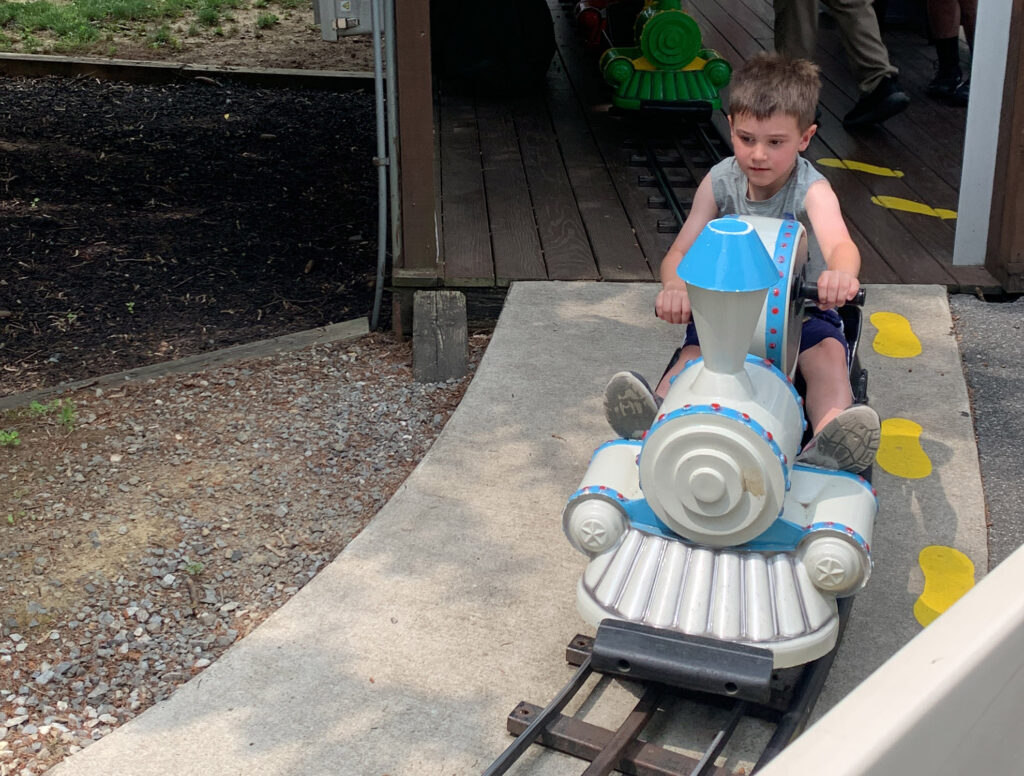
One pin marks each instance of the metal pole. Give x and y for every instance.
(381, 160)
(391, 83)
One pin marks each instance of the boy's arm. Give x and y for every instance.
(673, 304)
(838, 284)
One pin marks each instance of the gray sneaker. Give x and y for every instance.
(848, 442)
(630, 405)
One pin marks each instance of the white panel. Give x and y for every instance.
(949, 703)
(988, 71)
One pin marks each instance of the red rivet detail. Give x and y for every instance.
(775, 292)
(772, 346)
(784, 245)
(774, 331)
(746, 416)
(716, 407)
(775, 311)
(768, 434)
(780, 273)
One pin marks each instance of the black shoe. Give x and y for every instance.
(884, 102)
(944, 86)
(962, 93)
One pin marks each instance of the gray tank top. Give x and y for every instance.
(729, 186)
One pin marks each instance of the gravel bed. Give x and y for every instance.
(167, 519)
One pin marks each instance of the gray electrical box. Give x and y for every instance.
(343, 17)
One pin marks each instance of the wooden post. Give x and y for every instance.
(439, 339)
(416, 258)
(1005, 255)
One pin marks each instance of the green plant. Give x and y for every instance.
(10, 518)
(9, 438)
(194, 568)
(65, 409)
(265, 20)
(68, 416)
(162, 37)
(131, 307)
(209, 15)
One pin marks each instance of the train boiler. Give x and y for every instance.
(708, 527)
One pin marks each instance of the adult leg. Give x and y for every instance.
(862, 41)
(796, 28)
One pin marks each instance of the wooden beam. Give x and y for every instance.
(1005, 255)
(418, 252)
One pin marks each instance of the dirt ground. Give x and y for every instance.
(146, 223)
(293, 41)
(141, 224)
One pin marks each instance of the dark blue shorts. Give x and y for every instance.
(818, 325)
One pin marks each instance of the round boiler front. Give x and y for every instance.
(712, 475)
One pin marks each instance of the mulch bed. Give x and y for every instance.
(140, 224)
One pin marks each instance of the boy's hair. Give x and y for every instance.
(768, 83)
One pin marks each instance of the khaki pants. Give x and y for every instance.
(796, 35)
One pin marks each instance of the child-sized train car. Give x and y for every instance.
(707, 526)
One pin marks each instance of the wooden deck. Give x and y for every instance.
(541, 187)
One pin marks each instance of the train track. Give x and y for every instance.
(715, 675)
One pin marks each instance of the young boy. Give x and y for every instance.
(772, 104)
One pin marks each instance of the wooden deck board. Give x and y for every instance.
(465, 234)
(514, 236)
(591, 219)
(616, 252)
(563, 237)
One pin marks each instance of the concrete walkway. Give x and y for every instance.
(405, 655)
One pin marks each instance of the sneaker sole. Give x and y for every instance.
(851, 447)
(629, 405)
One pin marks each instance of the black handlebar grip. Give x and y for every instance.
(809, 292)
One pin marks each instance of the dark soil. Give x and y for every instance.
(140, 224)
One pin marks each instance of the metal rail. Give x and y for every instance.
(793, 695)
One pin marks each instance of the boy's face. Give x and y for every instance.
(766, 149)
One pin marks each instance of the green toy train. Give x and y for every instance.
(668, 68)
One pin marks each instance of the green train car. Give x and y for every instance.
(668, 68)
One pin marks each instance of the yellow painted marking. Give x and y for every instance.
(873, 169)
(911, 206)
(948, 574)
(900, 452)
(895, 338)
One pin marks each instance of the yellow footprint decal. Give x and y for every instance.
(912, 206)
(948, 574)
(895, 338)
(900, 452)
(871, 169)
